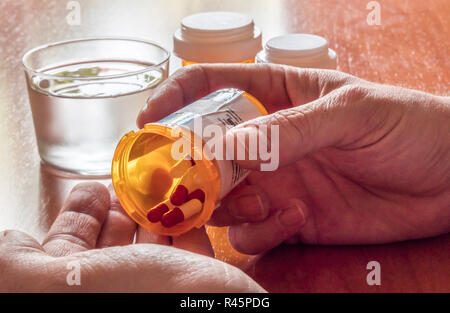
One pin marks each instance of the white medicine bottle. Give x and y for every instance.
(217, 37)
(300, 50)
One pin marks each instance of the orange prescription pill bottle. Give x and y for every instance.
(300, 50)
(165, 176)
(217, 37)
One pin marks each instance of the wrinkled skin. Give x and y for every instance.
(93, 231)
(360, 163)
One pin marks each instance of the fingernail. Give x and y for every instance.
(147, 103)
(146, 106)
(246, 206)
(293, 215)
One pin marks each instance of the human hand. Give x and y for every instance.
(360, 163)
(93, 231)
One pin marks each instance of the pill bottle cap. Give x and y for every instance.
(212, 37)
(301, 50)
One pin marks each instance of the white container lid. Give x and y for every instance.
(217, 37)
(301, 50)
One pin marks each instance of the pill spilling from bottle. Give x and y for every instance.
(179, 196)
(164, 174)
(181, 213)
(181, 206)
(155, 214)
(182, 203)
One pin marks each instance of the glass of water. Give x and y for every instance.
(85, 94)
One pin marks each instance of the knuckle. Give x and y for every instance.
(295, 124)
(352, 93)
(184, 70)
(89, 187)
(349, 98)
(331, 80)
(345, 79)
(91, 194)
(193, 69)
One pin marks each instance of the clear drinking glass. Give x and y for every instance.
(85, 94)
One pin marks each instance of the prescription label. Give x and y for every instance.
(225, 108)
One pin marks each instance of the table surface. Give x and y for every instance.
(409, 48)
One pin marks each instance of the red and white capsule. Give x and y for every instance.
(181, 213)
(156, 213)
(197, 194)
(179, 195)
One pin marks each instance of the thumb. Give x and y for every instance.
(288, 135)
(14, 240)
(22, 263)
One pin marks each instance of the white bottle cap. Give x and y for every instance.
(212, 37)
(301, 50)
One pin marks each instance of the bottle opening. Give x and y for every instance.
(167, 195)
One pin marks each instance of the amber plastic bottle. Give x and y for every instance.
(145, 170)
